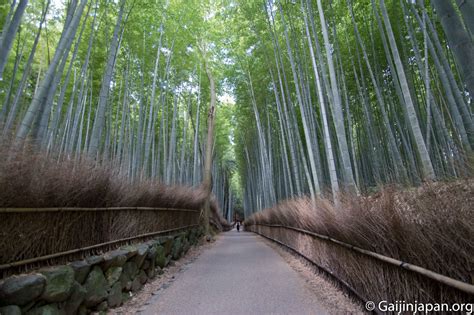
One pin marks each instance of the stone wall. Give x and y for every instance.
(93, 284)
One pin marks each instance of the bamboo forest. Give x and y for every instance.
(340, 131)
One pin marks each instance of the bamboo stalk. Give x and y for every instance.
(68, 209)
(462, 286)
(73, 251)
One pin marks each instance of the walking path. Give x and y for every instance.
(238, 275)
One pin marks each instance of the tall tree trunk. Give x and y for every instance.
(43, 120)
(467, 10)
(152, 112)
(82, 96)
(394, 151)
(207, 181)
(459, 40)
(41, 94)
(8, 95)
(9, 35)
(196, 147)
(314, 180)
(322, 106)
(337, 108)
(26, 71)
(99, 120)
(427, 167)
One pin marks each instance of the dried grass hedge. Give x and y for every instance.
(431, 226)
(29, 179)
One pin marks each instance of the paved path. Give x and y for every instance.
(238, 275)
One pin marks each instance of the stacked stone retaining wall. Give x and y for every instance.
(95, 283)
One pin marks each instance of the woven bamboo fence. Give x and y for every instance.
(38, 236)
(369, 275)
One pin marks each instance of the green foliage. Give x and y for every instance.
(244, 43)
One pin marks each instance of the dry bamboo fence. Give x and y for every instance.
(35, 236)
(353, 263)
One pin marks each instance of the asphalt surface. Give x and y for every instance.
(240, 274)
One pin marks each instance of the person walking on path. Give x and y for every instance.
(238, 226)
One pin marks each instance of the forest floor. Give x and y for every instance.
(240, 273)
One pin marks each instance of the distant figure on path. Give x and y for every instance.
(238, 226)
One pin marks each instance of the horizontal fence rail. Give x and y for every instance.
(78, 250)
(31, 237)
(66, 209)
(454, 283)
